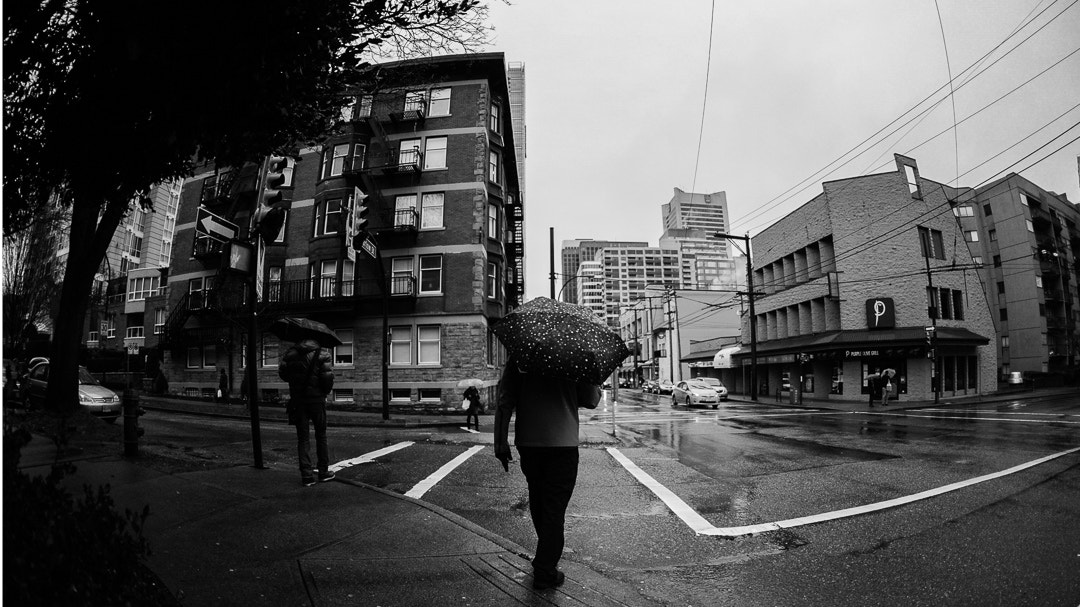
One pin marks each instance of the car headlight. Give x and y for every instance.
(84, 399)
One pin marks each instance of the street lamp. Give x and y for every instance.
(750, 300)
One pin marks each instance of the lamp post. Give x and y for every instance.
(750, 301)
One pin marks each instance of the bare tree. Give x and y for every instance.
(32, 277)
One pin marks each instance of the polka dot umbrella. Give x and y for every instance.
(564, 340)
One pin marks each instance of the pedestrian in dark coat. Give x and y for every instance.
(223, 387)
(473, 412)
(873, 385)
(307, 367)
(546, 436)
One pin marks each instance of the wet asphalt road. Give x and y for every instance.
(1012, 540)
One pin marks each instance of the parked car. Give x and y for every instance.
(664, 386)
(695, 392)
(649, 387)
(721, 389)
(94, 397)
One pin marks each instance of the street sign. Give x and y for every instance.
(218, 228)
(370, 247)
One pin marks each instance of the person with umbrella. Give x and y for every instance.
(886, 386)
(307, 367)
(472, 395)
(559, 356)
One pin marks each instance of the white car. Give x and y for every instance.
(695, 392)
(716, 384)
(93, 397)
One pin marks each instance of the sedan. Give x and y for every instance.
(664, 386)
(694, 392)
(94, 397)
(716, 384)
(648, 386)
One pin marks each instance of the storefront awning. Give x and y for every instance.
(858, 340)
(723, 358)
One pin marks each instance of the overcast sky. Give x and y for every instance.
(615, 91)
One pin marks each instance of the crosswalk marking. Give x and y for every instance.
(367, 457)
(702, 527)
(422, 487)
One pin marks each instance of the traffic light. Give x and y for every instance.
(361, 210)
(270, 214)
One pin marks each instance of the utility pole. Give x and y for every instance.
(935, 381)
(637, 346)
(551, 259)
(750, 304)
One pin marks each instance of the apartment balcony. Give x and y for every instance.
(403, 162)
(413, 113)
(332, 293)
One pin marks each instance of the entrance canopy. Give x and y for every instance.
(904, 341)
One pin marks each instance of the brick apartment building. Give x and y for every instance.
(848, 283)
(428, 146)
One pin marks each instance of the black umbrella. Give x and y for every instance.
(299, 329)
(558, 339)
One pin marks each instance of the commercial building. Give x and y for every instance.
(690, 222)
(573, 253)
(864, 277)
(428, 147)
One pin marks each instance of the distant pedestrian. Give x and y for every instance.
(873, 386)
(307, 367)
(473, 412)
(546, 436)
(886, 386)
(223, 387)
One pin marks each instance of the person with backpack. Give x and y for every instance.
(307, 367)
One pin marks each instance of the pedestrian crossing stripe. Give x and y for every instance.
(368, 457)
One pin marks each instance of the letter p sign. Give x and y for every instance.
(880, 313)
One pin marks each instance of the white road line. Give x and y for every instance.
(1031, 413)
(367, 457)
(980, 419)
(679, 507)
(422, 487)
(469, 430)
(702, 527)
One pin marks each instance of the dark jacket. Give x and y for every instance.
(307, 368)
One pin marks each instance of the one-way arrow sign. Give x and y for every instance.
(218, 228)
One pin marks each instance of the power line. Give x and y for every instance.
(705, 98)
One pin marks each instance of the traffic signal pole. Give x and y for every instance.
(753, 317)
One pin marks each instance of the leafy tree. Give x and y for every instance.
(104, 98)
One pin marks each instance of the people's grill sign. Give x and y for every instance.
(880, 313)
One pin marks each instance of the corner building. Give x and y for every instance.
(428, 147)
(850, 281)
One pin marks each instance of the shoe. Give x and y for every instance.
(543, 583)
(307, 482)
(326, 476)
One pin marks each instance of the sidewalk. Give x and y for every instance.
(904, 404)
(248, 536)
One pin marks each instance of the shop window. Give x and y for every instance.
(837, 386)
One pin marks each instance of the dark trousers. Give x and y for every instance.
(316, 413)
(551, 473)
(473, 414)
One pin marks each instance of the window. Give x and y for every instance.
(435, 153)
(348, 278)
(912, 181)
(363, 110)
(195, 293)
(134, 332)
(1001, 287)
(431, 211)
(327, 278)
(409, 152)
(273, 291)
(287, 172)
(987, 210)
(958, 304)
(1004, 314)
(141, 288)
(992, 234)
(281, 232)
(429, 345)
(1004, 341)
(400, 394)
(1042, 310)
(135, 245)
(430, 394)
(977, 260)
(342, 395)
(328, 217)
(493, 222)
(405, 210)
(359, 152)
(946, 304)
(268, 355)
(401, 270)
(932, 302)
(1024, 199)
(493, 166)
(440, 102)
(495, 118)
(971, 235)
(997, 261)
(492, 280)
(431, 273)
(337, 160)
(931, 243)
(92, 337)
(110, 328)
(1030, 226)
(194, 358)
(343, 354)
(963, 210)
(159, 321)
(1038, 281)
(400, 345)
(414, 101)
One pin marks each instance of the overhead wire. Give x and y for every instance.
(705, 99)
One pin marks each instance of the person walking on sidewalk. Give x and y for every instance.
(223, 387)
(307, 369)
(473, 412)
(546, 436)
(873, 386)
